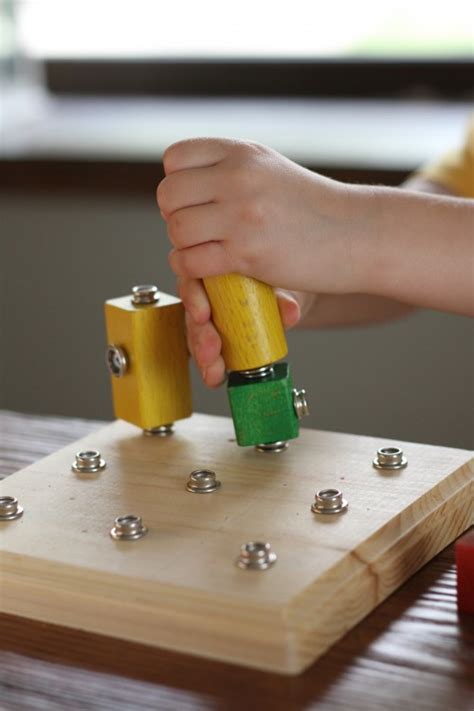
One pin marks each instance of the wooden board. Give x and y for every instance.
(178, 587)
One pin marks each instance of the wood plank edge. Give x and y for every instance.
(379, 578)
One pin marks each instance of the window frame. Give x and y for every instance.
(353, 78)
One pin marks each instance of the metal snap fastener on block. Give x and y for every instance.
(128, 528)
(300, 403)
(390, 458)
(272, 447)
(202, 481)
(256, 556)
(88, 462)
(145, 294)
(10, 509)
(161, 431)
(329, 501)
(258, 373)
(116, 360)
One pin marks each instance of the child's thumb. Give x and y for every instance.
(290, 310)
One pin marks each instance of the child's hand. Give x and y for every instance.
(367, 252)
(204, 342)
(233, 206)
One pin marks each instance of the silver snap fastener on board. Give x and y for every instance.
(128, 528)
(202, 481)
(390, 458)
(88, 462)
(10, 509)
(256, 556)
(329, 501)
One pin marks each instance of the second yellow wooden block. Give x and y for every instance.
(155, 387)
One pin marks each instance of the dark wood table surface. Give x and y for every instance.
(413, 652)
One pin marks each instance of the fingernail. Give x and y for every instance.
(203, 374)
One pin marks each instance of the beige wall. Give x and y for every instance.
(61, 257)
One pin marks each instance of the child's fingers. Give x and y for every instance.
(195, 153)
(194, 225)
(214, 375)
(290, 309)
(195, 300)
(186, 188)
(203, 260)
(204, 342)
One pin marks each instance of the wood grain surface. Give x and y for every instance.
(414, 650)
(246, 314)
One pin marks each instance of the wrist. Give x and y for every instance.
(357, 223)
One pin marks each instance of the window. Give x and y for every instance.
(253, 47)
(264, 29)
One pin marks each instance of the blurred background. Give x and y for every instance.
(92, 93)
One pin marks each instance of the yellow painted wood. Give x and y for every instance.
(178, 587)
(246, 314)
(156, 389)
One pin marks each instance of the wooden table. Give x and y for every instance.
(413, 652)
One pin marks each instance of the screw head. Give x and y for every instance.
(274, 447)
(256, 556)
(128, 528)
(391, 458)
(88, 462)
(329, 501)
(116, 360)
(145, 294)
(202, 481)
(300, 403)
(161, 431)
(9, 508)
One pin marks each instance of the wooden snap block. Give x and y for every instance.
(155, 389)
(262, 410)
(465, 572)
(246, 314)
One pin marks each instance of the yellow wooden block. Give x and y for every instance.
(245, 312)
(155, 389)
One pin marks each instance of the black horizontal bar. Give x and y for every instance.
(331, 77)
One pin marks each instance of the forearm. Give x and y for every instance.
(337, 311)
(422, 185)
(420, 249)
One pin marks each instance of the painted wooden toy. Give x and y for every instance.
(148, 359)
(265, 407)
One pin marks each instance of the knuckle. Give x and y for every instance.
(171, 157)
(251, 152)
(252, 212)
(161, 194)
(240, 178)
(186, 265)
(175, 229)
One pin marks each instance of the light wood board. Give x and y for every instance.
(178, 587)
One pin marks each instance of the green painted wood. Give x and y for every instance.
(262, 410)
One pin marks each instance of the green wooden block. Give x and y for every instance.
(262, 410)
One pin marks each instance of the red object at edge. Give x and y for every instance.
(465, 572)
